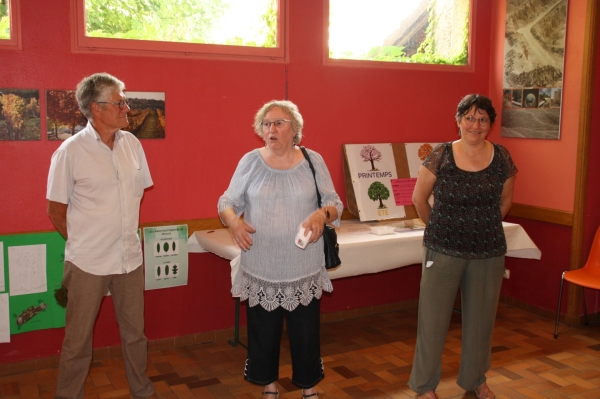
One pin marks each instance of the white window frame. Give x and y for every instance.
(470, 67)
(94, 45)
(14, 13)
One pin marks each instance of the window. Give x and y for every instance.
(181, 28)
(10, 34)
(399, 31)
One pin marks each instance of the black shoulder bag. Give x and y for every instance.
(330, 244)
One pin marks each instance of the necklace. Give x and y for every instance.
(476, 154)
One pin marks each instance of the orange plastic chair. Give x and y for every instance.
(588, 276)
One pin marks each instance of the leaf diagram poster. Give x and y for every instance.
(166, 256)
(534, 50)
(372, 169)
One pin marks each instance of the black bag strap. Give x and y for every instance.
(312, 168)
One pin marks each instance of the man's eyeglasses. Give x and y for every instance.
(121, 103)
(266, 125)
(483, 122)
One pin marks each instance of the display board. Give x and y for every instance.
(31, 268)
(380, 178)
(166, 256)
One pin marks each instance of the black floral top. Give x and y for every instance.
(465, 219)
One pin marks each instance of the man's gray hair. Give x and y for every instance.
(94, 88)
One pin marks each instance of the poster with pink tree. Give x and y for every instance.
(372, 169)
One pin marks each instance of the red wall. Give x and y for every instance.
(209, 108)
(537, 282)
(593, 210)
(549, 179)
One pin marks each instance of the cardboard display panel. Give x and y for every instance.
(380, 177)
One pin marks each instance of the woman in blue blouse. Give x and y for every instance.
(273, 187)
(471, 180)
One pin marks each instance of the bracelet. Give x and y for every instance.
(327, 214)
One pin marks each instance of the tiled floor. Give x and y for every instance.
(366, 357)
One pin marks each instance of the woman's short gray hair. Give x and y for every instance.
(94, 88)
(289, 108)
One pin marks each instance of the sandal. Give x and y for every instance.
(484, 392)
(427, 395)
(310, 395)
(271, 393)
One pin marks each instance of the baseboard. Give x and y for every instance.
(537, 310)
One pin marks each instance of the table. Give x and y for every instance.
(361, 251)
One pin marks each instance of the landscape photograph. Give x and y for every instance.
(147, 115)
(19, 114)
(63, 117)
(533, 60)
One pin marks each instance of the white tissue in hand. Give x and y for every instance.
(301, 241)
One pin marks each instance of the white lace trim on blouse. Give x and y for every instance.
(288, 295)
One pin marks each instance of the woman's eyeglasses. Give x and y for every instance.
(483, 122)
(266, 125)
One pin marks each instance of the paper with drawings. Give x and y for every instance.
(4, 322)
(2, 284)
(27, 269)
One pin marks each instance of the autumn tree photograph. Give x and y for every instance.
(63, 117)
(19, 114)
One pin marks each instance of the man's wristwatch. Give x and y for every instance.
(327, 214)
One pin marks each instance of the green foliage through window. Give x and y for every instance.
(409, 31)
(4, 20)
(232, 22)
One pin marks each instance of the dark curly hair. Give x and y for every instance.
(479, 102)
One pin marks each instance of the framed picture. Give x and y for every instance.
(19, 114)
(63, 117)
(147, 115)
(533, 69)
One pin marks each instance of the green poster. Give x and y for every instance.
(29, 311)
(166, 256)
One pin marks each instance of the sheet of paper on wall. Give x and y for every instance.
(403, 190)
(27, 269)
(372, 167)
(4, 321)
(2, 283)
(166, 256)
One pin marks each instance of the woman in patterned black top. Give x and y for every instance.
(471, 180)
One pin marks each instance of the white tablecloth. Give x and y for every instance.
(361, 251)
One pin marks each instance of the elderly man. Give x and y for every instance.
(95, 185)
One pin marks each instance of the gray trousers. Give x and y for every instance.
(480, 281)
(86, 292)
